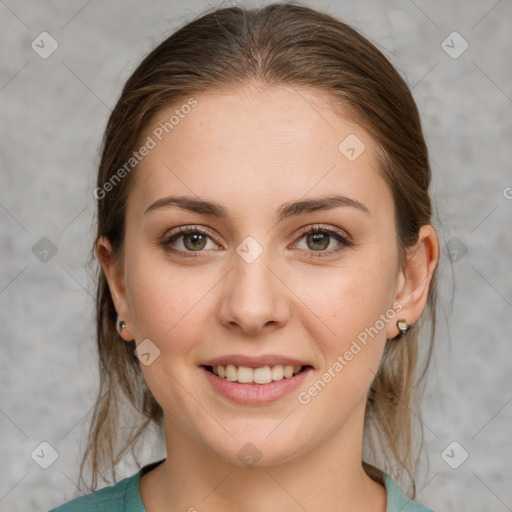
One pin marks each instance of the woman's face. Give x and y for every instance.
(253, 283)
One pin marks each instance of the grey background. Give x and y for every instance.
(53, 112)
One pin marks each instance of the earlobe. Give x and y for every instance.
(414, 278)
(114, 276)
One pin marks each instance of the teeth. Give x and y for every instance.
(261, 375)
(231, 372)
(277, 372)
(245, 374)
(287, 372)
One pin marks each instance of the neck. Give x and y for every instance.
(328, 477)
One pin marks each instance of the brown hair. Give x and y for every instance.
(277, 45)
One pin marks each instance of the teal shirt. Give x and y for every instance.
(124, 496)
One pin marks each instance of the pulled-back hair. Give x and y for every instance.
(277, 45)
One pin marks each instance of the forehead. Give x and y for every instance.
(256, 146)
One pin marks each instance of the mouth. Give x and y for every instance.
(260, 375)
(258, 384)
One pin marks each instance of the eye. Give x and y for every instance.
(318, 238)
(194, 239)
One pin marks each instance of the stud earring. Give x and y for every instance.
(121, 326)
(403, 327)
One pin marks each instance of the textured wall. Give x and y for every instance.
(53, 111)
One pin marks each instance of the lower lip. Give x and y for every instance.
(255, 394)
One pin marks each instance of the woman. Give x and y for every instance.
(267, 253)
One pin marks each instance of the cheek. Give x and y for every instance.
(165, 306)
(353, 298)
(163, 300)
(348, 313)
(349, 329)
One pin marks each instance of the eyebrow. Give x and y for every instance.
(286, 210)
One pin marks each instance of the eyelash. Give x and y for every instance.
(316, 229)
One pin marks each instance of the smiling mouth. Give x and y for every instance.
(261, 375)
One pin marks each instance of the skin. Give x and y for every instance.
(252, 150)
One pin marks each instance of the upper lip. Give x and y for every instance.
(254, 361)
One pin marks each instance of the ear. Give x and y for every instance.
(414, 278)
(115, 278)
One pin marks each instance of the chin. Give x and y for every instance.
(256, 448)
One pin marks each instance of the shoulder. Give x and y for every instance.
(398, 501)
(122, 496)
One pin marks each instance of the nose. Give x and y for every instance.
(254, 297)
